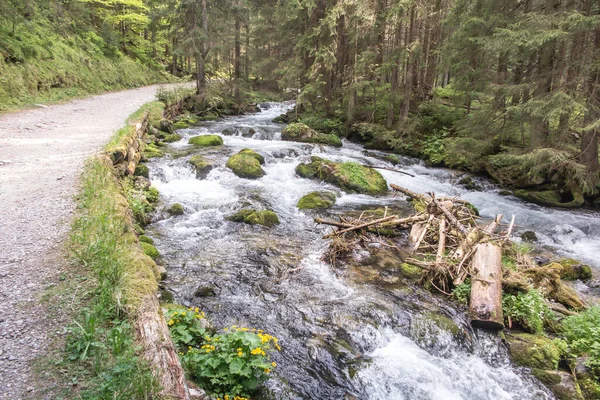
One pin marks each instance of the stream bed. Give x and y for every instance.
(343, 335)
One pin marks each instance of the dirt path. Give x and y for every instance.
(42, 152)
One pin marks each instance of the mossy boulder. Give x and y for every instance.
(412, 272)
(141, 170)
(250, 216)
(299, 132)
(561, 383)
(150, 250)
(176, 209)
(533, 351)
(206, 140)
(529, 236)
(252, 153)
(573, 270)
(146, 239)
(443, 322)
(316, 200)
(349, 176)
(245, 166)
(547, 279)
(185, 121)
(392, 159)
(201, 166)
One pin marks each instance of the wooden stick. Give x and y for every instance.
(418, 263)
(366, 224)
(510, 228)
(333, 223)
(390, 169)
(451, 218)
(407, 192)
(441, 242)
(423, 233)
(493, 225)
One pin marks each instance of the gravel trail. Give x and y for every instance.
(42, 152)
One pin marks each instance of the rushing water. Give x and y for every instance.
(344, 336)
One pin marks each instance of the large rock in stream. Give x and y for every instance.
(250, 216)
(299, 132)
(349, 176)
(206, 140)
(246, 164)
(201, 166)
(316, 200)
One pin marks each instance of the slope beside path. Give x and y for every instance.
(42, 152)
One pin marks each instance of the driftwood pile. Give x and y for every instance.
(448, 243)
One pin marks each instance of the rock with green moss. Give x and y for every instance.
(551, 198)
(315, 200)
(201, 166)
(573, 270)
(152, 151)
(443, 322)
(561, 383)
(171, 138)
(299, 132)
(141, 170)
(206, 140)
(590, 387)
(176, 209)
(349, 176)
(146, 239)
(245, 166)
(252, 153)
(392, 159)
(250, 216)
(533, 351)
(150, 250)
(410, 271)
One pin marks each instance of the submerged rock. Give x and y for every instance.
(250, 216)
(201, 166)
(206, 140)
(171, 138)
(176, 209)
(349, 176)
(206, 291)
(316, 200)
(529, 236)
(299, 132)
(245, 166)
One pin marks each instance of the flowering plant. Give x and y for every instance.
(230, 365)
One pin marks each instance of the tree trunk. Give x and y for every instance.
(485, 308)
(589, 140)
(412, 65)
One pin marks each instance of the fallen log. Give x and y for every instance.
(441, 242)
(422, 234)
(485, 307)
(407, 192)
(357, 227)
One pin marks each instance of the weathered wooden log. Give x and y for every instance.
(432, 207)
(467, 244)
(415, 233)
(485, 308)
(158, 349)
(357, 227)
(451, 218)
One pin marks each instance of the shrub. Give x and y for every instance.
(229, 365)
(462, 292)
(582, 333)
(528, 309)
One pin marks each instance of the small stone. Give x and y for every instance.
(30, 388)
(529, 236)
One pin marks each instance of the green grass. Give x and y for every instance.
(39, 65)
(101, 354)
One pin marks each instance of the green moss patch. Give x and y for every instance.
(201, 166)
(534, 351)
(265, 217)
(299, 132)
(206, 140)
(317, 200)
(245, 166)
(252, 153)
(349, 176)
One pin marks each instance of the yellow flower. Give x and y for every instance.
(240, 354)
(274, 364)
(256, 351)
(278, 348)
(226, 397)
(267, 370)
(171, 322)
(196, 309)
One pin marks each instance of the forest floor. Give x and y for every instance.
(42, 153)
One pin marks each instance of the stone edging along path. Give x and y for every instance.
(42, 152)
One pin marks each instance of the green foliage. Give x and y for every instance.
(229, 365)
(582, 334)
(462, 292)
(433, 149)
(173, 95)
(528, 309)
(324, 125)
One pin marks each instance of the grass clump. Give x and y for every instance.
(582, 334)
(528, 309)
